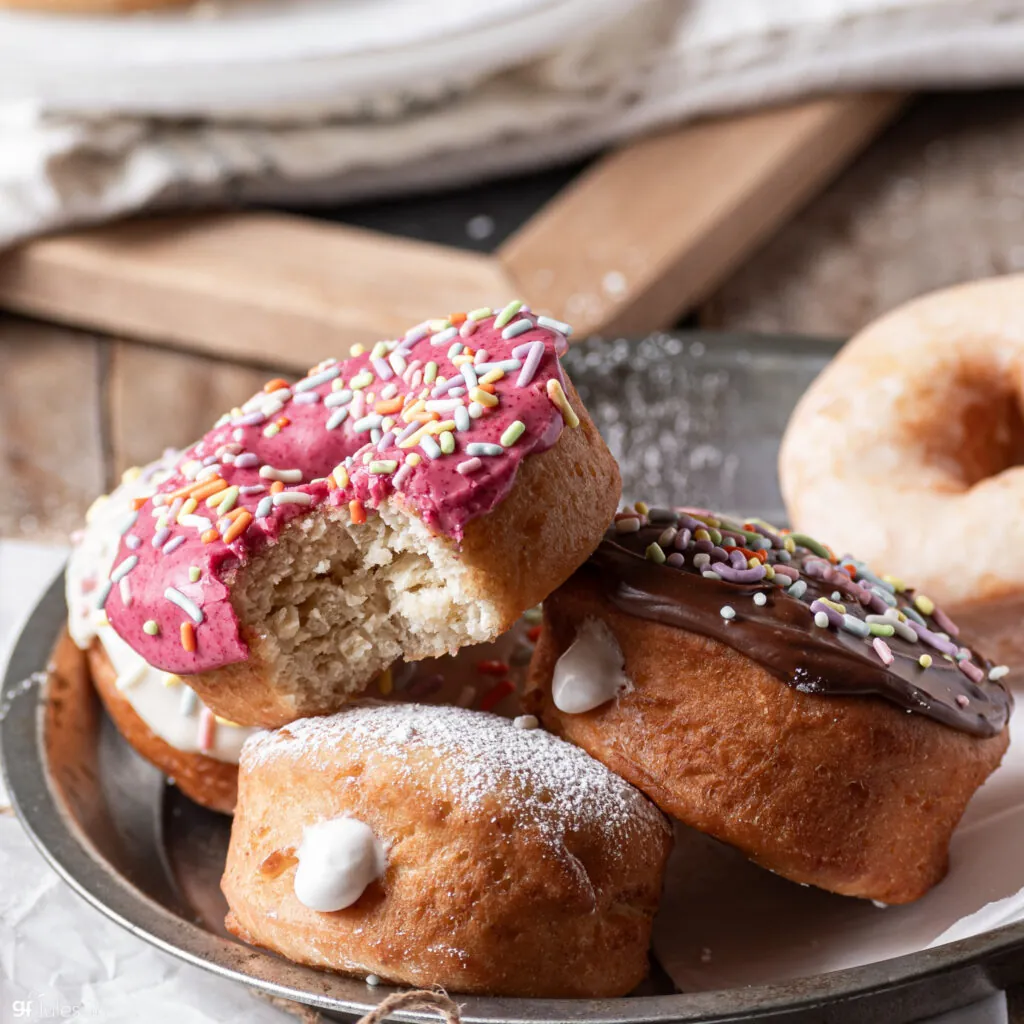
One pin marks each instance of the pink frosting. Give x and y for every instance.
(158, 558)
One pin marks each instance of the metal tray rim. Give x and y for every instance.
(928, 981)
(71, 854)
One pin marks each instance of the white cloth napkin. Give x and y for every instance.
(278, 100)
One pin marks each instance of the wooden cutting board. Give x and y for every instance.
(218, 300)
(629, 246)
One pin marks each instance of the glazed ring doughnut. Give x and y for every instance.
(409, 501)
(439, 846)
(159, 714)
(910, 440)
(786, 702)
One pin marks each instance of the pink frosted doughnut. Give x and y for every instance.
(404, 502)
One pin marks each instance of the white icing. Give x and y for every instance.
(156, 696)
(338, 859)
(591, 672)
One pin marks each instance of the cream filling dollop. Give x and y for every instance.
(338, 859)
(591, 672)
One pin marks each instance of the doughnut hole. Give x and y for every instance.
(908, 452)
(982, 432)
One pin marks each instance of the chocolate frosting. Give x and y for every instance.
(646, 568)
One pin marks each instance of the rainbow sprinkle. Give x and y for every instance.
(879, 616)
(452, 397)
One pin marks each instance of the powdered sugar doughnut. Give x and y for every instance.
(910, 440)
(403, 503)
(483, 857)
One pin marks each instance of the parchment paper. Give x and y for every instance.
(726, 922)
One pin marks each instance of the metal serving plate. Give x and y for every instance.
(694, 416)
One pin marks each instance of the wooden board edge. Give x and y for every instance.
(194, 282)
(816, 139)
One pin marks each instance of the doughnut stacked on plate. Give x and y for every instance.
(406, 502)
(472, 852)
(414, 501)
(160, 714)
(156, 711)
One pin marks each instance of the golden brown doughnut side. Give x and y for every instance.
(245, 692)
(211, 783)
(553, 518)
(473, 899)
(849, 794)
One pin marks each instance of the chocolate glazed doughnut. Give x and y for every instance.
(820, 718)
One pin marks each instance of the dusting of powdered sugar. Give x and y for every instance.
(549, 785)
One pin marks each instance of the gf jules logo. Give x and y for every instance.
(50, 1006)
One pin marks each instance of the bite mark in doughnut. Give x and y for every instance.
(160, 715)
(404, 456)
(420, 417)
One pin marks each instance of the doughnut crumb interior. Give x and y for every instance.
(333, 604)
(403, 503)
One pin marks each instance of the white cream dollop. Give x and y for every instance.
(591, 672)
(338, 859)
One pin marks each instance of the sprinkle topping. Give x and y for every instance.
(823, 624)
(437, 420)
